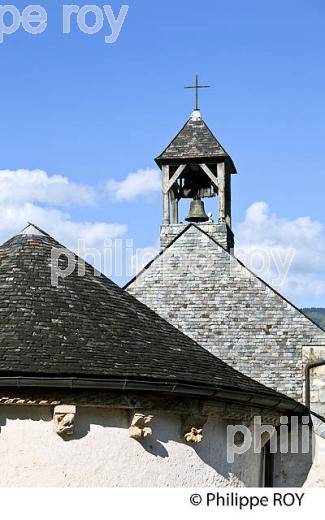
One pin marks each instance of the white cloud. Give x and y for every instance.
(289, 254)
(37, 186)
(33, 196)
(142, 183)
(14, 217)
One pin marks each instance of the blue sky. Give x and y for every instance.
(87, 111)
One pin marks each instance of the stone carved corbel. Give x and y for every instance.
(195, 435)
(139, 427)
(192, 428)
(63, 419)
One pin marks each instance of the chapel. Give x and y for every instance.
(159, 384)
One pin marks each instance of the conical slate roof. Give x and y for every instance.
(195, 141)
(87, 329)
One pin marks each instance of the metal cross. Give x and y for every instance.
(197, 87)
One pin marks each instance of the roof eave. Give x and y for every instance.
(231, 168)
(169, 387)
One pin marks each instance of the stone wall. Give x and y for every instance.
(317, 379)
(211, 297)
(219, 232)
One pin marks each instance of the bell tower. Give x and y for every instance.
(195, 166)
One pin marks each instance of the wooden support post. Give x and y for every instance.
(222, 191)
(228, 199)
(174, 202)
(165, 182)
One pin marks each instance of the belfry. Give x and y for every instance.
(195, 166)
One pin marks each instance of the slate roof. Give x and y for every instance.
(87, 327)
(192, 224)
(195, 141)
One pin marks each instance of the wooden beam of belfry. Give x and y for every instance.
(174, 178)
(174, 203)
(209, 173)
(222, 190)
(166, 207)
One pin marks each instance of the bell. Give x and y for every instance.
(197, 212)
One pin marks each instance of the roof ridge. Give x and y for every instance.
(161, 252)
(30, 224)
(187, 226)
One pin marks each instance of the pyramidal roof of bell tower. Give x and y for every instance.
(196, 142)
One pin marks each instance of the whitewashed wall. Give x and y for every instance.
(100, 453)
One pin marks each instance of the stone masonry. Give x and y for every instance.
(200, 288)
(317, 378)
(220, 232)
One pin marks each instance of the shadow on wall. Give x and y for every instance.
(212, 450)
(85, 417)
(291, 465)
(21, 413)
